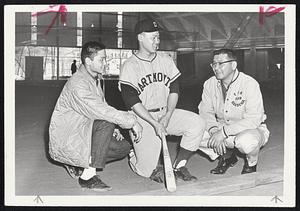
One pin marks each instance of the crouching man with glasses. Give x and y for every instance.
(232, 106)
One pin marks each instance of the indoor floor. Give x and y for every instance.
(37, 174)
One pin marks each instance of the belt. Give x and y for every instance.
(156, 109)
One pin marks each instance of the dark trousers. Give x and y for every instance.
(105, 147)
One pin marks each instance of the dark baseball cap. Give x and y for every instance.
(146, 25)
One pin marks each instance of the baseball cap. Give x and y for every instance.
(146, 25)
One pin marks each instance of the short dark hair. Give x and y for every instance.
(229, 52)
(90, 49)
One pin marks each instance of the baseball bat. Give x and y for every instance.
(169, 174)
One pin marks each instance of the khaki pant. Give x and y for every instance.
(247, 142)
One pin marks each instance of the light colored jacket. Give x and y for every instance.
(243, 107)
(79, 104)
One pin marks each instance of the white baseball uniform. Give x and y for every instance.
(151, 80)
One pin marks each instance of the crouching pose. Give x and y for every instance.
(82, 128)
(232, 106)
(150, 88)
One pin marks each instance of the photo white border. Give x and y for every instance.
(288, 197)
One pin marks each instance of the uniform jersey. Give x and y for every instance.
(151, 79)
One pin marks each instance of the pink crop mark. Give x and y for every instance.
(268, 13)
(59, 9)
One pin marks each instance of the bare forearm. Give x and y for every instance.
(142, 112)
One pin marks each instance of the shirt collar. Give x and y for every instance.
(145, 59)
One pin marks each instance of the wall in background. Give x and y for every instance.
(262, 64)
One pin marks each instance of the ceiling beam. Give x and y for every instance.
(231, 22)
(195, 26)
(214, 23)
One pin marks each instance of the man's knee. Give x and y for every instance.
(103, 124)
(247, 141)
(124, 148)
(118, 150)
(193, 135)
(197, 126)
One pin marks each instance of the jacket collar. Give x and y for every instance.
(235, 77)
(85, 72)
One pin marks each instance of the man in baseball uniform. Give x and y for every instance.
(149, 86)
(82, 128)
(232, 106)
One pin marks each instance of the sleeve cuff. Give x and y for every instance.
(224, 132)
(211, 129)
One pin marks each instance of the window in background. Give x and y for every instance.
(129, 21)
(23, 28)
(66, 57)
(100, 27)
(63, 43)
(49, 54)
(49, 60)
(115, 58)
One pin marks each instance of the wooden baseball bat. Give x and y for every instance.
(169, 174)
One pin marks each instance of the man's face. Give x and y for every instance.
(223, 71)
(98, 63)
(150, 41)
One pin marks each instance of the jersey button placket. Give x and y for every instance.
(154, 89)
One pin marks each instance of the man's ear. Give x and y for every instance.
(234, 65)
(88, 61)
(140, 37)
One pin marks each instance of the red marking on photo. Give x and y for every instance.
(268, 13)
(59, 10)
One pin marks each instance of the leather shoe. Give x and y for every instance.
(95, 183)
(248, 169)
(184, 174)
(224, 164)
(158, 175)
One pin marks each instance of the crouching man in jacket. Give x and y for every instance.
(232, 106)
(82, 128)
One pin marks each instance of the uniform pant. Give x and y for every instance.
(183, 123)
(105, 147)
(247, 142)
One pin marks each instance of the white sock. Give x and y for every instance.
(88, 173)
(252, 163)
(180, 164)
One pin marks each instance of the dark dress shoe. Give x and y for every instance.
(95, 183)
(184, 174)
(158, 174)
(248, 169)
(224, 164)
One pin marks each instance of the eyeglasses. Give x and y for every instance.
(221, 64)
